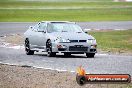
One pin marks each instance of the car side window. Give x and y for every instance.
(35, 27)
(42, 27)
(50, 28)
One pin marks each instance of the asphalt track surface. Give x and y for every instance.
(20, 27)
(102, 63)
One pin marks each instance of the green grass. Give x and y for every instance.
(14, 4)
(60, 0)
(71, 15)
(114, 40)
(72, 11)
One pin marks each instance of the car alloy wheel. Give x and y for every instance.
(49, 49)
(27, 48)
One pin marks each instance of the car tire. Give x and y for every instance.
(49, 49)
(67, 54)
(27, 48)
(90, 55)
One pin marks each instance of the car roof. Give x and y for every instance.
(57, 22)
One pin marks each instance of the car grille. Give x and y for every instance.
(78, 48)
(74, 41)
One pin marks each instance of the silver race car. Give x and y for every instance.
(59, 37)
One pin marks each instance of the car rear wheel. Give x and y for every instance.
(90, 55)
(49, 49)
(27, 48)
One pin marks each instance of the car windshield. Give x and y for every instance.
(63, 27)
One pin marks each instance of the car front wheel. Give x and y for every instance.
(90, 55)
(27, 48)
(49, 49)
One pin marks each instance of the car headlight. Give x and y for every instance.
(91, 41)
(60, 40)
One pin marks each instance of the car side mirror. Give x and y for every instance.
(44, 31)
(30, 27)
(86, 30)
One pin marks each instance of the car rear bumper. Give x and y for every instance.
(74, 48)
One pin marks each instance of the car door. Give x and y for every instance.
(32, 38)
(41, 35)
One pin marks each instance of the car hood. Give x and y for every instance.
(71, 35)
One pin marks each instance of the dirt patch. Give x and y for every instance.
(25, 77)
(14, 39)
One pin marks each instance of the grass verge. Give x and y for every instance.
(25, 15)
(73, 11)
(114, 41)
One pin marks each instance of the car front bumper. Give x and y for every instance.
(74, 48)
